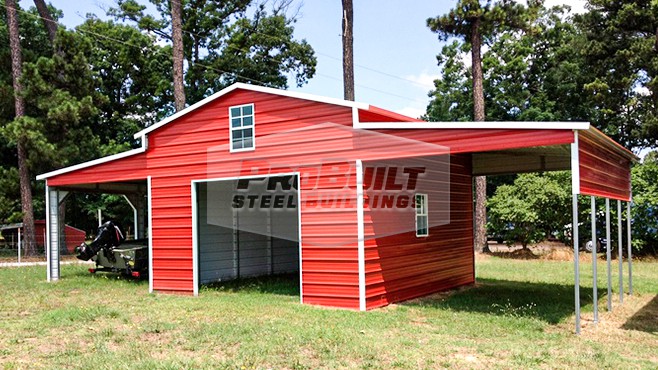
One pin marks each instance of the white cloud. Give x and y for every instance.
(411, 111)
(423, 80)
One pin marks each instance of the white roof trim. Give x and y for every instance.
(243, 86)
(109, 158)
(512, 125)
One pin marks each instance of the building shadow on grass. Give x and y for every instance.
(547, 302)
(646, 319)
(282, 284)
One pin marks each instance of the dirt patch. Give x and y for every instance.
(559, 254)
(519, 254)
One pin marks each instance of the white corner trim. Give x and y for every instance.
(266, 90)
(47, 241)
(149, 195)
(575, 165)
(360, 235)
(355, 117)
(474, 125)
(299, 236)
(195, 239)
(95, 162)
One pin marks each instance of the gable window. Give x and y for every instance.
(242, 121)
(422, 228)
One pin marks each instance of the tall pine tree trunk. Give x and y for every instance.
(478, 115)
(19, 104)
(348, 50)
(48, 21)
(177, 38)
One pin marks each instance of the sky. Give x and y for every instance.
(394, 50)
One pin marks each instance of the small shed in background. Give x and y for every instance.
(72, 236)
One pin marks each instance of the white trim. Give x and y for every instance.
(262, 89)
(231, 128)
(195, 239)
(48, 277)
(109, 158)
(575, 165)
(360, 235)
(135, 216)
(149, 195)
(246, 177)
(299, 234)
(355, 117)
(513, 125)
(425, 214)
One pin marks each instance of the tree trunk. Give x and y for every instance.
(177, 38)
(348, 50)
(19, 104)
(478, 115)
(48, 21)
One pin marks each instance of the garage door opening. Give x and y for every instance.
(247, 227)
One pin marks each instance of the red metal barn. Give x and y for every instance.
(369, 206)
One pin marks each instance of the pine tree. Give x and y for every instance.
(471, 21)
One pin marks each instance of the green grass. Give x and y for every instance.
(519, 315)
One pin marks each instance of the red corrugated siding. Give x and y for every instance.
(403, 266)
(603, 172)
(179, 153)
(469, 141)
(124, 169)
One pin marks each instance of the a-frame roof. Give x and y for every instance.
(263, 89)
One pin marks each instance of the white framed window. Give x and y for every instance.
(242, 125)
(422, 219)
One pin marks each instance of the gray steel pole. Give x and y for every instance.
(595, 293)
(620, 257)
(630, 264)
(574, 234)
(608, 249)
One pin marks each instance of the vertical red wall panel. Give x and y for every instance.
(401, 266)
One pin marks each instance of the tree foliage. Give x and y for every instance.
(621, 48)
(645, 205)
(88, 90)
(532, 208)
(223, 44)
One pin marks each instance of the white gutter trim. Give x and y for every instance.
(263, 89)
(95, 162)
(512, 125)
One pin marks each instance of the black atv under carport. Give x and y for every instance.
(130, 259)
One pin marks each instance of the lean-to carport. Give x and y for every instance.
(600, 168)
(123, 174)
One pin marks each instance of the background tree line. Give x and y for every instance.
(545, 64)
(87, 90)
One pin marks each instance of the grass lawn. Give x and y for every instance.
(520, 314)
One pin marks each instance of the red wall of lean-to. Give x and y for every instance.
(398, 264)
(603, 173)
